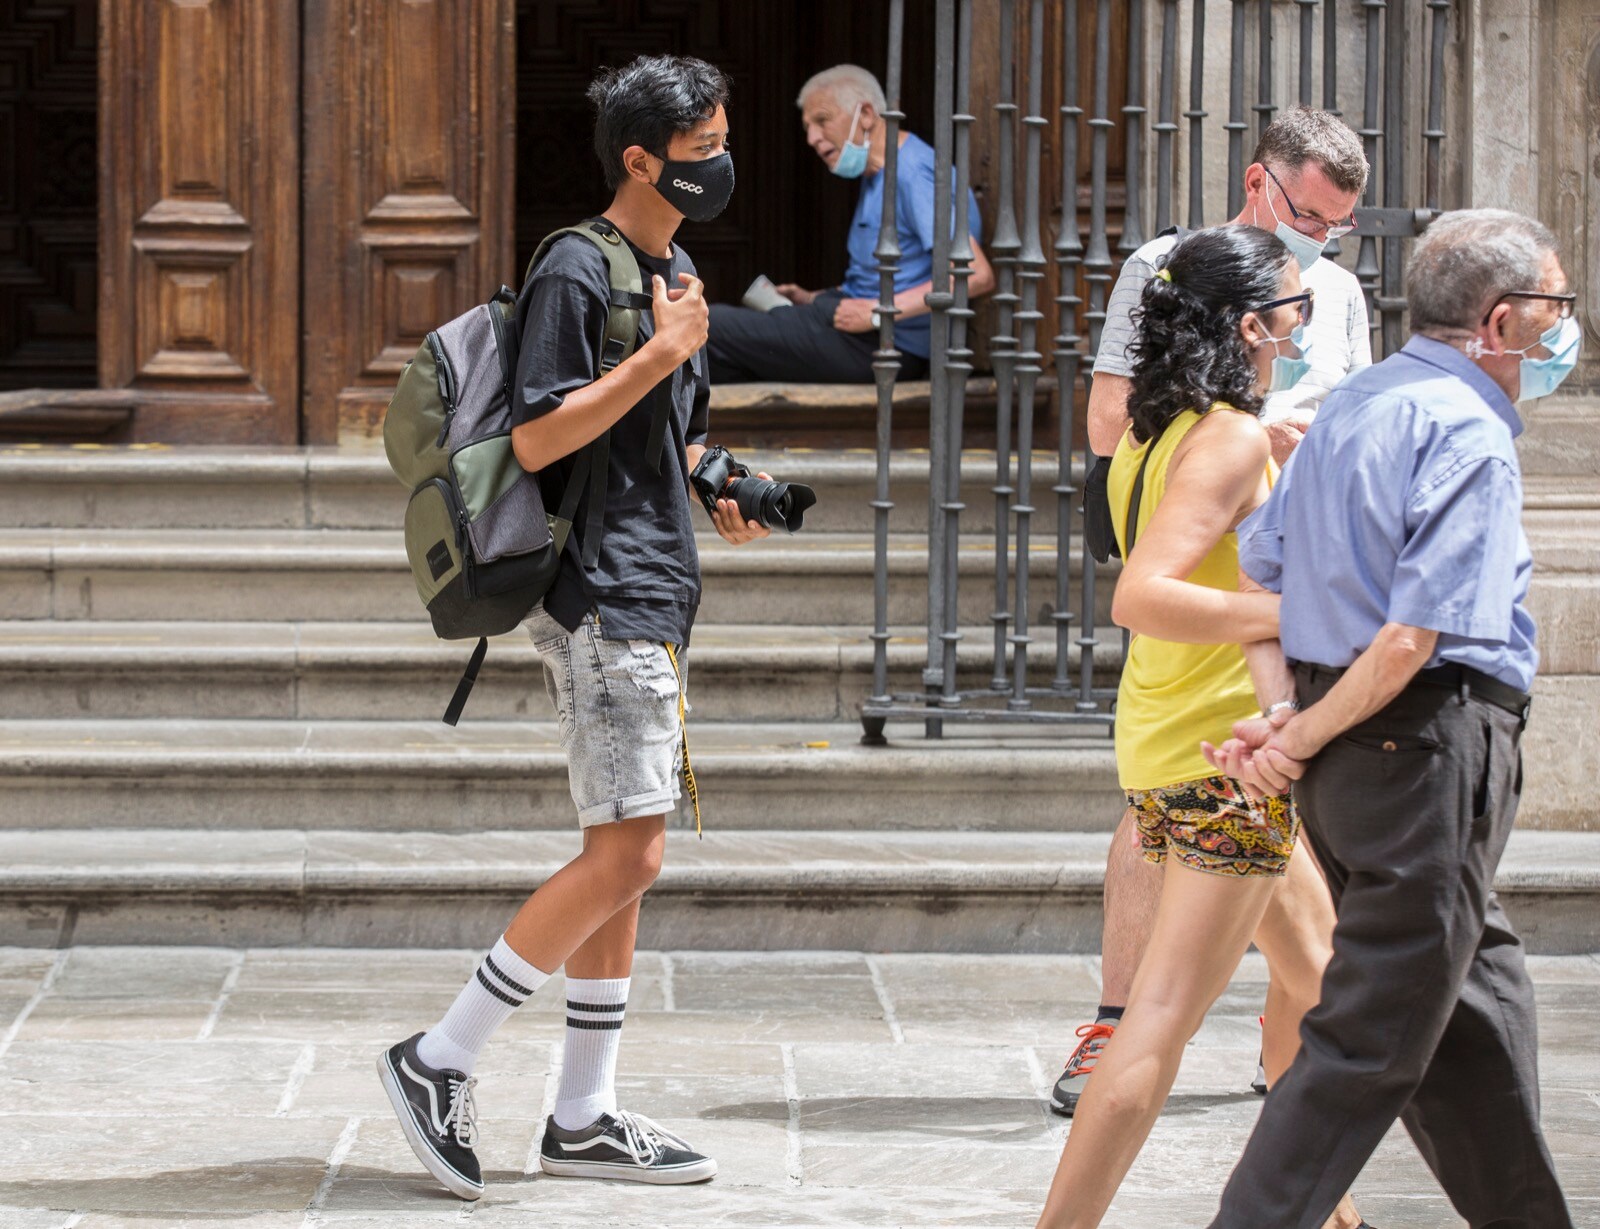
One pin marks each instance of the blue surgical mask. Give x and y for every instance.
(852, 160)
(1287, 372)
(1542, 376)
(1303, 248)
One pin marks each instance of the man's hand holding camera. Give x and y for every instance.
(733, 527)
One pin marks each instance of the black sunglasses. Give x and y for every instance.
(1306, 299)
(1565, 301)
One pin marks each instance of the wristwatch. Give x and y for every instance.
(1273, 709)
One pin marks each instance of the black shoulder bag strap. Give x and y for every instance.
(1131, 529)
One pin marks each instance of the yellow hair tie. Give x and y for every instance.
(1164, 274)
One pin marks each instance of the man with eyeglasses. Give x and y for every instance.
(1308, 172)
(1396, 542)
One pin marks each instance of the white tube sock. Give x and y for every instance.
(502, 983)
(595, 1008)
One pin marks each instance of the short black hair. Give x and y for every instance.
(1187, 350)
(648, 103)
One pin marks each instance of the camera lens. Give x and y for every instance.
(780, 505)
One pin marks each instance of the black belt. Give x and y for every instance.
(1459, 678)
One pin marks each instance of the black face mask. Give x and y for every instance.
(699, 190)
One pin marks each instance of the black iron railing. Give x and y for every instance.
(1013, 686)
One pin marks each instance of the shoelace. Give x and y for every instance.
(1094, 1038)
(463, 1111)
(646, 1140)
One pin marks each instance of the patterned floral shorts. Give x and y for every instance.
(1212, 825)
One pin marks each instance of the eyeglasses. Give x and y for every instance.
(1564, 302)
(1305, 301)
(1310, 227)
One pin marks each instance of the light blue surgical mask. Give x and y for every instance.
(852, 160)
(1542, 376)
(1287, 372)
(1303, 248)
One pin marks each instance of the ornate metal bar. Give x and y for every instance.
(1391, 303)
(1307, 39)
(1236, 124)
(1166, 125)
(1197, 115)
(1069, 259)
(1003, 248)
(939, 301)
(1433, 134)
(885, 368)
(958, 364)
(1030, 271)
(1330, 57)
(1264, 107)
(1133, 113)
(1367, 254)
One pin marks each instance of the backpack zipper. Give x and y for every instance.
(447, 385)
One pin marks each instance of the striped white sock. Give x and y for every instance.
(589, 1067)
(502, 983)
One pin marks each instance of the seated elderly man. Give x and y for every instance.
(828, 336)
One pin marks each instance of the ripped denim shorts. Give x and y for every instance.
(617, 702)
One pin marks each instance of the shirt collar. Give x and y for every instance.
(1451, 361)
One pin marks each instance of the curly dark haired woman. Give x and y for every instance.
(1218, 327)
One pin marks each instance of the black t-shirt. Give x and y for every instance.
(646, 585)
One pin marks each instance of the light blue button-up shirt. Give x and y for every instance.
(1403, 504)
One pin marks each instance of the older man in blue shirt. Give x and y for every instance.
(1395, 539)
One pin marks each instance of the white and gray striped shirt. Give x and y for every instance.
(1338, 332)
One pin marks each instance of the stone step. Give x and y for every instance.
(750, 890)
(239, 575)
(485, 775)
(366, 671)
(325, 488)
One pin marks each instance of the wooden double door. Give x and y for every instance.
(292, 194)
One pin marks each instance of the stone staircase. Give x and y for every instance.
(219, 702)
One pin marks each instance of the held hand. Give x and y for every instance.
(854, 315)
(682, 318)
(1285, 437)
(797, 295)
(727, 520)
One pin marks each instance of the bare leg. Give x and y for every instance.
(1203, 926)
(581, 901)
(1132, 892)
(1296, 937)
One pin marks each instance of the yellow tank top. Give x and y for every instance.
(1174, 695)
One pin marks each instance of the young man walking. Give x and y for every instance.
(611, 632)
(1302, 185)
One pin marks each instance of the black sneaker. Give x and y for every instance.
(625, 1147)
(438, 1115)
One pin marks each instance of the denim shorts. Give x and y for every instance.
(617, 702)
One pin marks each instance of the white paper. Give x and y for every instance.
(764, 296)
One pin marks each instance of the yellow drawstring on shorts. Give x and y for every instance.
(683, 727)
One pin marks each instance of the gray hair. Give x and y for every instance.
(1467, 259)
(850, 84)
(1304, 134)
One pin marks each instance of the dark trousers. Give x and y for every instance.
(795, 344)
(1426, 1012)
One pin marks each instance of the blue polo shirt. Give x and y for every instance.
(1403, 504)
(913, 217)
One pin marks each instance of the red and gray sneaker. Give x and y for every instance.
(437, 1114)
(624, 1147)
(1064, 1100)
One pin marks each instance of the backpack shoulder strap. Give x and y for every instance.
(1132, 529)
(627, 298)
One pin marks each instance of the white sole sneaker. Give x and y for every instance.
(447, 1177)
(702, 1170)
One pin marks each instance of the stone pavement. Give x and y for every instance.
(206, 1086)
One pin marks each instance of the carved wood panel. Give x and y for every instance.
(48, 194)
(199, 231)
(408, 189)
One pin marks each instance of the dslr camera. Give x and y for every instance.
(769, 504)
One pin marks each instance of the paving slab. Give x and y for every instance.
(802, 1072)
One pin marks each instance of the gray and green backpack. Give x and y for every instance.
(483, 547)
